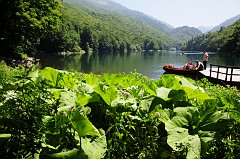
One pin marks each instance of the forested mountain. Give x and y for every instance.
(108, 6)
(98, 31)
(185, 33)
(225, 40)
(226, 23)
(89, 25)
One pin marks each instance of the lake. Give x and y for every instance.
(148, 63)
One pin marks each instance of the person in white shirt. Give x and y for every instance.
(199, 65)
(205, 59)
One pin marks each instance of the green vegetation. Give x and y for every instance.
(53, 27)
(57, 114)
(24, 22)
(225, 40)
(185, 33)
(96, 31)
(28, 27)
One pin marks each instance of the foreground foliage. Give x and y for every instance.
(57, 114)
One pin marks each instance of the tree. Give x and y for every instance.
(24, 22)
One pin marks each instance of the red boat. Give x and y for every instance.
(180, 71)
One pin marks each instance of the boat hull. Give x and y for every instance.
(180, 71)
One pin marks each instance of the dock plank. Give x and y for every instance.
(222, 75)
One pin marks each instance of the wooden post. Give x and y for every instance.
(210, 70)
(231, 74)
(217, 72)
(226, 73)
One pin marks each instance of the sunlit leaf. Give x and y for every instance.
(163, 92)
(82, 125)
(52, 75)
(95, 148)
(67, 98)
(70, 154)
(108, 94)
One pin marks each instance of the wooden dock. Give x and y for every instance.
(224, 75)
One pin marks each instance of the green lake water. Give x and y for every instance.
(148, 63)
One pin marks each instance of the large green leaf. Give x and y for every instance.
(186, 82)
(92, 148)
(70, 154)
(67, 98)
(82, 125)
(196, 94)
(216, 121)
(59, 79)
(67, 80)
(191, 130)
(83, 99)
(145, 103)
(92, 79)
(52, 75)
(178, 96)
(180, 139)
(191, 114)
(165, 115)
(163, 92)
(108, 94)
(123, 99)
(151, 88)
(184, 134)
(85, 88)
(169, 81)
(95, 148)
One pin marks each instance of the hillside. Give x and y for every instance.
(89, 25)
(225, 40)
(100, 31)
(108, 6)
(226, 23)
(185, 33)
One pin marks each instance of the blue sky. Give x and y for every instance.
(193, 13)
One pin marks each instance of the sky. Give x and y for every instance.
(193, 13)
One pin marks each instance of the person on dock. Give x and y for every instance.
(205, 59)
(188, 66)
(199, 65)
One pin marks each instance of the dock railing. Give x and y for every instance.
(224, 70)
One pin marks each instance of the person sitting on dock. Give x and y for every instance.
(189, 66)
(199, 65)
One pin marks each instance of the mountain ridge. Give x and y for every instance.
(114, 7)
(111, 7)
(226, 23)
(205, 29)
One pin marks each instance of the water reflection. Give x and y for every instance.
(148, 63)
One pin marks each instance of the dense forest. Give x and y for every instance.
(28, 27)
(24, 23)
(225, 40)
(97, 31)
(110, 7)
